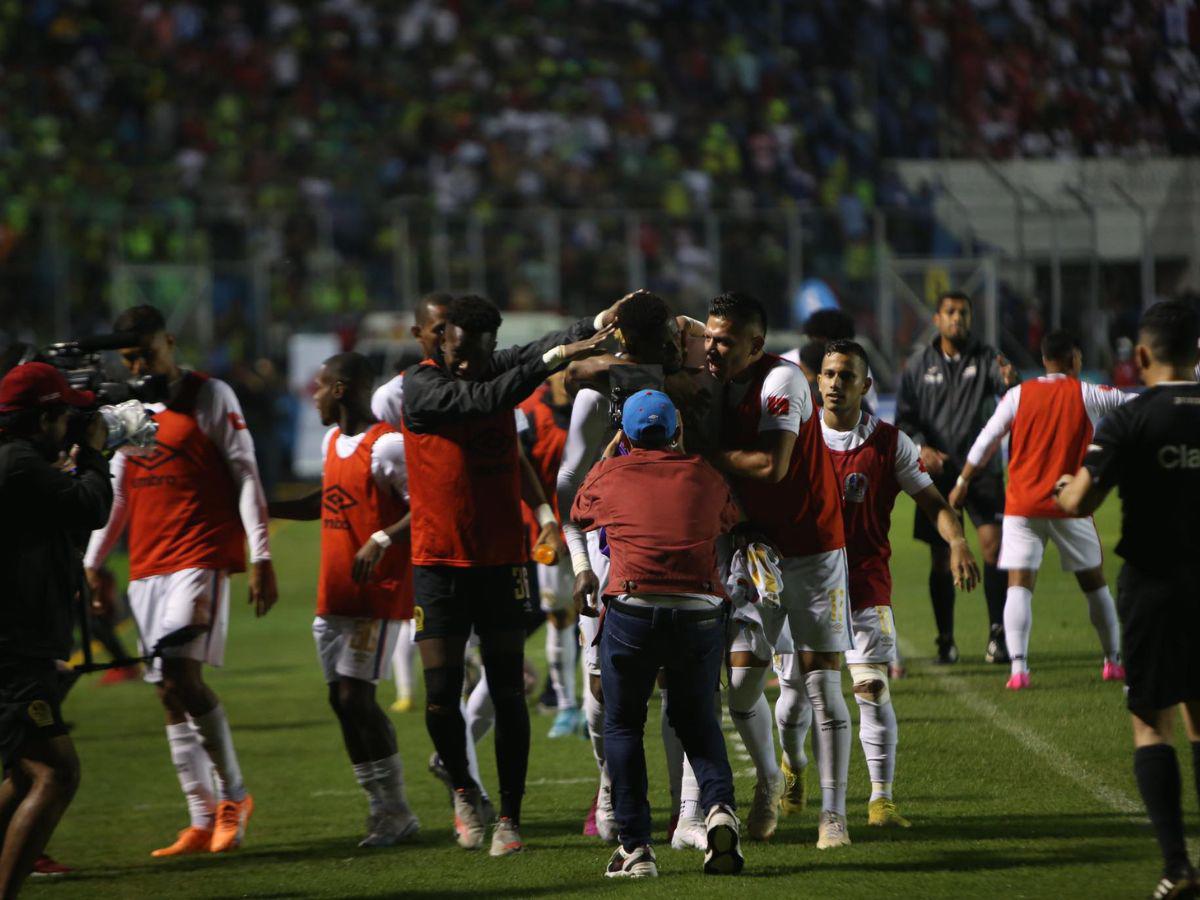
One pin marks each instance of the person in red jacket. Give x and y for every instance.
(364, 590)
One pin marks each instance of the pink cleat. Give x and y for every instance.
(589, 824)
(1113, 671)
(1018, 681)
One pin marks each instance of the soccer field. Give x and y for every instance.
(1014, 795)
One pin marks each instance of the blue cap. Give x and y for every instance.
(646, 410)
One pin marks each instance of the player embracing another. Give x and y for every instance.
(364, 590)
(874, 462)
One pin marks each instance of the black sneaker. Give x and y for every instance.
(723, 855)
(947, 651)
(1177, 887)
(547, 704)
(997, 649)
(636, 863)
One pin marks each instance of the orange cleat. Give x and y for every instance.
(190, 840)
(232, 816)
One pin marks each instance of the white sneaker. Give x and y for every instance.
(391, 828)
(606, 819)
(723, 846)
(832, 831)
(690, 834)
(764, 810)
(638, 863)
(506, 838)
(468, 818)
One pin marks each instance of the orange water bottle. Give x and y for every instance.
(545, 554)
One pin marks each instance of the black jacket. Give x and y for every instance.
(44, 513)
(944, 404)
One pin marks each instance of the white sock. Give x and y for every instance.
(562, 650)
(402, 659)
(793, 715)
(689, 793)
(674, 749)
(218, 742)
(832, 720)
(195, 771)
(389, 773)
(594, 710)
(368, 779)
(877, 732)
(1103, 613)
(1018, 620)
(479, 714)
(751, 716)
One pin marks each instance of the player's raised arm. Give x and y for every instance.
(986, 444)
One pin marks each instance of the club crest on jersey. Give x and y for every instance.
(162, 453)
(337, 500)
(855, 487)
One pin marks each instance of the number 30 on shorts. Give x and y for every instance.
(521, 589)
(366, 636)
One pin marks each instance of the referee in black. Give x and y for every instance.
(947, 393)
(1149, 449)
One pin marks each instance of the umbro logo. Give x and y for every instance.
(162, 453)
(337, 500)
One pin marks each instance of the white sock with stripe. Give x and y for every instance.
(218, 742)
(195, 771)
(368, 779)
(562, 651)
(390, 774)
(831, 717)
(751, 716)
(402, 659)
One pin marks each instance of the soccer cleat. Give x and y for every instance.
(832, 831)
(636, 863)
(1112, 671)
(391, 828)
(589, 822)
(232, 816)
(882, 813)
(190, 840)
(1177, 887)
(690, 834)
(48, 867)
(468, 818)
(120, 674)
(947, 651)
(1017, 681)
(723, 846)
(764, 809)
(506, 839)
(794, 797)
(402, 704)
(997, 650)
(566, 723)
(606, 819)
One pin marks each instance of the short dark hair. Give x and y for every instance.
(740, 308)
(954, 295)
(1059, 345)
(849, 348)
(141, 320)
(829, 325)
(1171, 329)
(473, 313)
(643, 315)
(811, 355)
(352, 368)
(653, 438)
(434, 298)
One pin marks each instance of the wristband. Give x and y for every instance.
(382, 538)
(555, 357)
(545, 515)
(960, 482)
(580, 563)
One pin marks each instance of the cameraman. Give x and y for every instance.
(49, 513)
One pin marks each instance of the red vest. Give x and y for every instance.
(801, 514)
(548, 443)
(867, 478)
(1050, 435)
(182, 500)
(354, 507)
(464, 484)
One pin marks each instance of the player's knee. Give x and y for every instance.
(443, 687)
(506, 678)
(745, 687)
(596, 688)
(871, 683)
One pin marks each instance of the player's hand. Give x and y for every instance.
(592, 346)
(366, 559)
(551, 535)
(933, 460)
(101, 599)
(587, 594)
(1061, 484)
(963, 566)
(958, 496)
(613, 445)
(263, 589)
(1008, 372)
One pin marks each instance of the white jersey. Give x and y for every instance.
(387, 403)
(911, 477)
(587, 435)
(387, 458)
(218, 414)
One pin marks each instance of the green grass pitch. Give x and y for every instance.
(1027, 795)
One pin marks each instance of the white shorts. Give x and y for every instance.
(589, 624)
(353, 647)
(874, 636)
(162, 604)
(750, 635)
(1023, 542)
(556, 586)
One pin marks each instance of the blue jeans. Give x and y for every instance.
(690, 651)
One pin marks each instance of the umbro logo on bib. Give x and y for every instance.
(337, 500)
(162, 453)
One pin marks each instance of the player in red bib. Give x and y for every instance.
(1051, 420)
(364, 590)
(874, 461)
(190, 506)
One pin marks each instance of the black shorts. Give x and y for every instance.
(985, 505)
(1160, 638)
(450, 601)
(30, 708)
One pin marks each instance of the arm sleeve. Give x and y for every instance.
(996, 428)
(432, 397)
(1100, 399)
(503, 360)
(908, 416)
(785, 400)
(1106, 451)
(587, 508)
(105, 538)
(910, 471)
(387, 463)
(585, 443)
(227, 429)
(387, 403)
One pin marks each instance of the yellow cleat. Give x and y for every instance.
(190, 840)
(402, 705)
(793, 800)
(882, 813)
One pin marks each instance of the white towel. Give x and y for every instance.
(757, 566)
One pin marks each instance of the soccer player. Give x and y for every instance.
(469, 548)
(1149, 449)
(364, 589)
(781, 472)
(947, 393)
(190, 507)
(874, 462)
(1051, 419)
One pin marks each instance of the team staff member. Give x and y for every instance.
(469, 548)
(190, 507)
(662, 511)
(947, 393)
(41, 570)
(364, 590)
(1149, 450)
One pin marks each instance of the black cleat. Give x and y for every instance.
(1181, 886)
(997, 649)
(947, 651)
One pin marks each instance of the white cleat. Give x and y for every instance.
(468, 819)
(690, 834)
(832, 831)
(506, 838)
(723, 846)
(391, 828)
(764, 809)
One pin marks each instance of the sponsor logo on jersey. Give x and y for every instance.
(855, 487)
(337, 500)
(778, 406)
(1179, 456)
